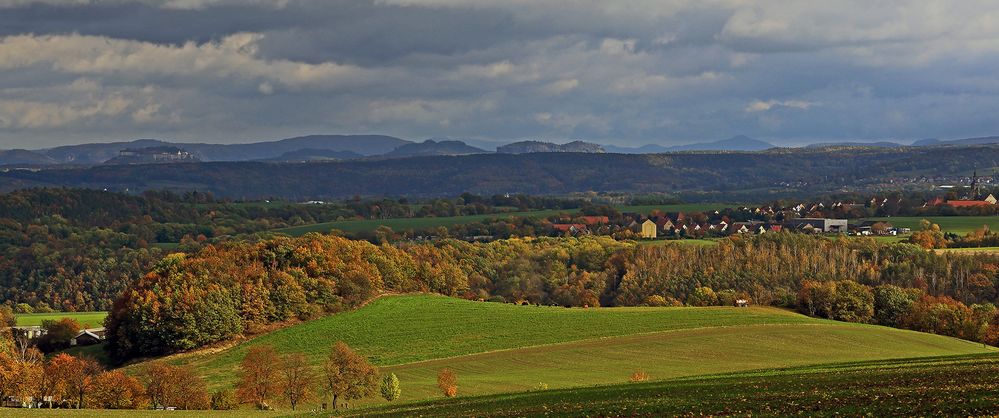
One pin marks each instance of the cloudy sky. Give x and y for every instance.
(621, 72)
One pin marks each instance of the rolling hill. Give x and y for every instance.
(499, 348)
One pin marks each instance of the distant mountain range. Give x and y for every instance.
(351, 147)
(736, 143)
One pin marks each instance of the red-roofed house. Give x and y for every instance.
(967, 203)
(571, 228)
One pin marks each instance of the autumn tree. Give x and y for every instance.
(259, 376)
(447, 381)
(224, 399)
(297, 379)
(58, 333)
(390, 387)
(348, 375)
(175, 386)
(117, 390)
(78, 374)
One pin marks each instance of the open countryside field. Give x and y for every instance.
(89, 319)
(402, 224)
(498, 348)
(957, 224)
(941, 386)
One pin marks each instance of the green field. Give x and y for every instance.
(402, 224)
(941, 386)
(500, 348)
(957, 224)
(89, 319)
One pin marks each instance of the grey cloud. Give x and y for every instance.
(629, 72)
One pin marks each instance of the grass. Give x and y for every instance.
(402, 224)
(93, 319)
(942, 386)
(500, 348)
(405, 329)
(960, 225)
(124, 413)
(671, 354)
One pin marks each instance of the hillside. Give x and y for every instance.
(730, 174)
(431, 147)
(502, 347)
(941, 386)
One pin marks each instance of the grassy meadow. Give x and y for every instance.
(960, 225)
(501, 348)
(936, 386)
(91, 319)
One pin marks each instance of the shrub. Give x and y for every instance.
(447, 381)
(390, 387)
(224, 399)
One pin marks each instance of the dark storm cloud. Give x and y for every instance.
(628, 72)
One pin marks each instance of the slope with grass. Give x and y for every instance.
(410, 328)
(936, 386)
(499, 348)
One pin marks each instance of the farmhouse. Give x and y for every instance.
(89, 336)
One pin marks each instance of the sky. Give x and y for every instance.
(614, 72)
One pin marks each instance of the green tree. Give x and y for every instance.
(853, 302)
(224, 399)
(891, 304)
(390, 387)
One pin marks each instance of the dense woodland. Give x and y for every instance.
(227, 290)
(75, 250)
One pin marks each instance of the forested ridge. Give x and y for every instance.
(545, 173)
(227, 290)
(76, 249)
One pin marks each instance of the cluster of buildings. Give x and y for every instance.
(89, 336)
(661, 226)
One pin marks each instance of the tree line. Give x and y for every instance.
(236, 288)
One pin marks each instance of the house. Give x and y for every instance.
(88, 337)
(571, 228)
(649, 229)
(742, 303)
(664, 225)
(816, 225)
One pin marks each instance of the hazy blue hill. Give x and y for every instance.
(527, 147)
(965, 141)
(736, 143)
(97, 153)
(310, 154)
(24, 157)
(431, 147)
